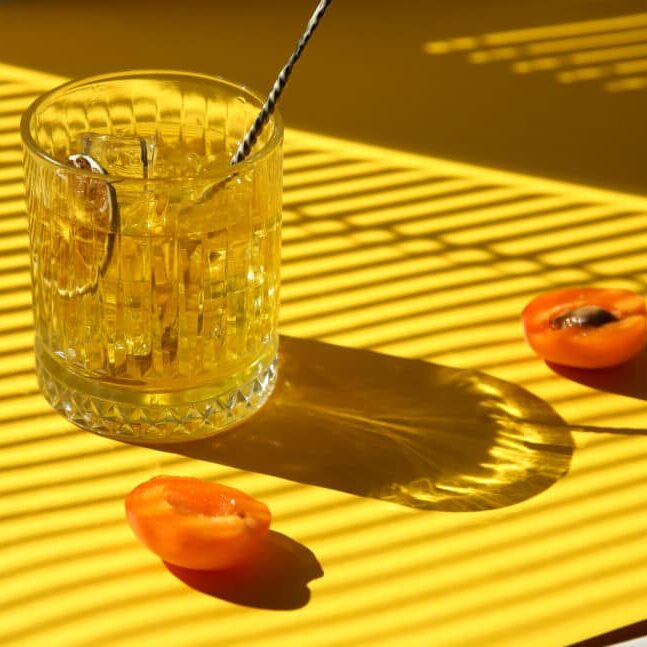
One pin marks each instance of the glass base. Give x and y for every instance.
(145, 422)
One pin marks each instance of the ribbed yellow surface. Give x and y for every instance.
(410, 255)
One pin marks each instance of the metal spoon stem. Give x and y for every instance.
(255, 130)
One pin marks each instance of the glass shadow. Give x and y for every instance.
(405, 431)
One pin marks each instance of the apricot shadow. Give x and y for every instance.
(629, 378)
(275, 579)
(406, 431)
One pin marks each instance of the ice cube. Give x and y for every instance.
(175, 161)
(121, 155)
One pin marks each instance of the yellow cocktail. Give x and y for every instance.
(156, 284)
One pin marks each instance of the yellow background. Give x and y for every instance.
(406, 254)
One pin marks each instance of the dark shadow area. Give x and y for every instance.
(276, 578)
(629, 632)
(629, 378)
(405, 431)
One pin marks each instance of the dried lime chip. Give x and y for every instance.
(94, 214)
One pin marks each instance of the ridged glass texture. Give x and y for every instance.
(155, 300)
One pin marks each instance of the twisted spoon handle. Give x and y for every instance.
(253, 133)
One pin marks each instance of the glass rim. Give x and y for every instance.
(220, 172)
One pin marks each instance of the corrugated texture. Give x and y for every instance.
(409, 255)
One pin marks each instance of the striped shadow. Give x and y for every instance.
(385, 250)
(589, 50)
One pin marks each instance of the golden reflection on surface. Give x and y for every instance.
(571, 50)
(409, 432)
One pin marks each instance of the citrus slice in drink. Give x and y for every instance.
(85, 236)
